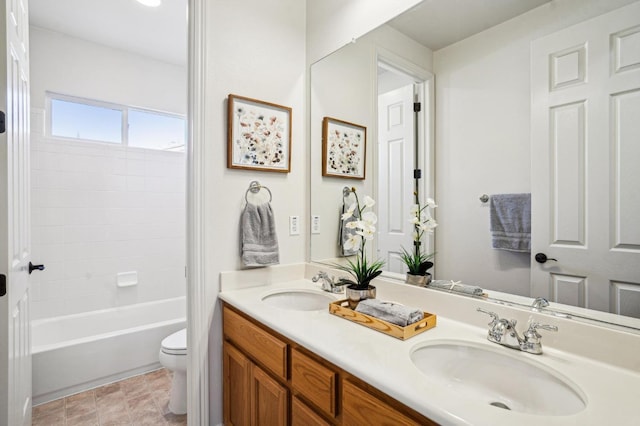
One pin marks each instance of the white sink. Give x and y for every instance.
(299, 300)
(498, 377)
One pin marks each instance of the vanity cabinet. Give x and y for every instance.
(270, 380)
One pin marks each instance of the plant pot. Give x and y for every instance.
(355, 295)
(419, 280)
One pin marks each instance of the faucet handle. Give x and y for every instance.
(494, 316)
(532, 332)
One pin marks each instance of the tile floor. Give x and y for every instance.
(139, 400)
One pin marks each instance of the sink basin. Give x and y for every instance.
(499, 378)
(298, 300)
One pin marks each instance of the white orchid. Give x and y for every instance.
(353, 242)
(368, 201)
(349, 212)
(420, 218)
(361, 270)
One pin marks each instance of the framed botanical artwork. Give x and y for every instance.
(258, 135)
(343, 149)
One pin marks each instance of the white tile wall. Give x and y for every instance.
(100, 209)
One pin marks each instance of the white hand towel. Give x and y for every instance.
(259, 239)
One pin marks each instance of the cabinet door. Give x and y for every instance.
(301, 415)
(268, 400)
(360, 408)
(236, 386)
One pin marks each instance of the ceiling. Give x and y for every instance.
(439, 23)
(159, 32)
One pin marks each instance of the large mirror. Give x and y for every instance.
(508, 95)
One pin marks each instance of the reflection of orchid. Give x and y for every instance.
(361, 270)
(420, 216)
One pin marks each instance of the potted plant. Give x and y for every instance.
(418, 262)
(362, 270)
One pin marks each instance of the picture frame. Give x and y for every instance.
(344, 149)
(258, 135)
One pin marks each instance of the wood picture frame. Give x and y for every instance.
(258, 135)
(344, 149)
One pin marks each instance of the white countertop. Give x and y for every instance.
(611, 392)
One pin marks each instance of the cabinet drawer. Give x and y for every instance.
(315, 381)
(265, 348)
(360, 408)
(301, 415)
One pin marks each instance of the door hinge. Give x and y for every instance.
(2, 122)
(417, 107)
(417, 174)
(3, 285)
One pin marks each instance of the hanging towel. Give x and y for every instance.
(259, 239)
(345, 233)
(510, 222)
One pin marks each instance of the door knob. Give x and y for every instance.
(542, 258)
(33, 267)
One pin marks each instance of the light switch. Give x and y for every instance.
(315, 224)
(294, 225)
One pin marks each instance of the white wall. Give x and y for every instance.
(99, 209)
(260, 55)
(482, 139)
(72, 66)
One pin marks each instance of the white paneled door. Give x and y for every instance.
(15, 336)
(396, 156)
(585, 163)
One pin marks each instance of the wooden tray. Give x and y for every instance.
(341, 308)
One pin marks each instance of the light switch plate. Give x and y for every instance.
(315, 224)
(294, 225)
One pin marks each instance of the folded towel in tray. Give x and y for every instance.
(391, 312)
(456, 286)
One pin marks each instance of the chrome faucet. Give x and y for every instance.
(503, 332)
(328, 282)
(539, 303)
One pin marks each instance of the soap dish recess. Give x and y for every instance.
(341, 308)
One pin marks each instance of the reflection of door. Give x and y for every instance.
(396, 154)
(585, 156)
(15, 345)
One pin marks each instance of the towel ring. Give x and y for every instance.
(254, 188)
(346, 191)
(484, 198)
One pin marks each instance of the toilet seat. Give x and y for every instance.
(175, 344)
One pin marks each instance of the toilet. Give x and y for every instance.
(173, 357)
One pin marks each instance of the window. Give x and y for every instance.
(89, 120)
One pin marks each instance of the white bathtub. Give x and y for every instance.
(78, 352)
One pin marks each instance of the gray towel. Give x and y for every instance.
(391, 312)
(510, 222)
(456, 287)
(345, 233)
(259, 239)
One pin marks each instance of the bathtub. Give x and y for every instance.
(78, 352)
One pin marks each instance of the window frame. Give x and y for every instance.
(124, 109)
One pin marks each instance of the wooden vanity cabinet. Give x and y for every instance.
(271, 381)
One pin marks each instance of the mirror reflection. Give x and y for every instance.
(529, 97)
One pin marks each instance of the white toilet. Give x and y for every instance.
(173, 357)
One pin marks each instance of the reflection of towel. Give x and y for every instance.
(456, 286)
(510, 222)
(390, 312)
(345, 233)
(259, 239)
